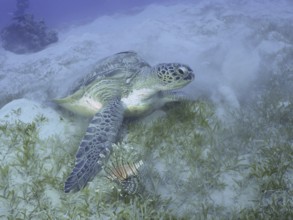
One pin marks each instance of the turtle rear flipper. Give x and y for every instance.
(96, 145)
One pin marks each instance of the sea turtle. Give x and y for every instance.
(118, 86)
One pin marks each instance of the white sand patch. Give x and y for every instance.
(232, 195)
(24, 116)
(31, 148)
(27, 111)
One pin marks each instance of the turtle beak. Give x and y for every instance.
(190, 75)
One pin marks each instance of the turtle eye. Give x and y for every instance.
(180, 71)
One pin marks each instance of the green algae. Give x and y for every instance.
(191, 157)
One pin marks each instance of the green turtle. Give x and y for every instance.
(121, 85)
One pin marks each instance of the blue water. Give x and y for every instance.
(56, 12)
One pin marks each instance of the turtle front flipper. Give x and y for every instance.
(96, 145)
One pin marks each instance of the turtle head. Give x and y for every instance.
(173, 75)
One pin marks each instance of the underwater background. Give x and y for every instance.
(225, 155)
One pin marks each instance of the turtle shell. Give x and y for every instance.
(110, 77)
(125, 65)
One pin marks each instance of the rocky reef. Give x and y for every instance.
(25, 34)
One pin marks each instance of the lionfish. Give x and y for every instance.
(125, 174)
